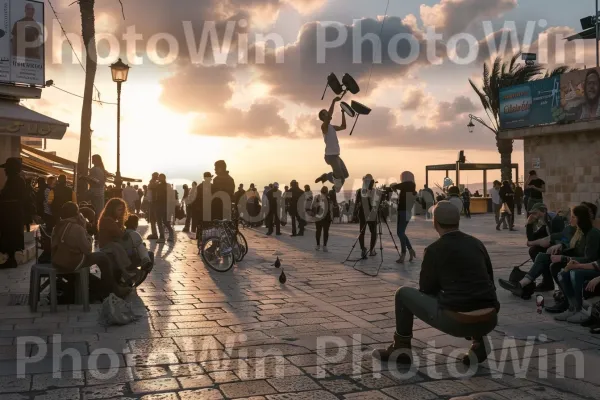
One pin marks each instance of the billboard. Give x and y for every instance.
(580, 95)
(529, 104)
(22, 42)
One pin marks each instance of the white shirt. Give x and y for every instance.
(130, 195)
(332, 145)
(495, 193)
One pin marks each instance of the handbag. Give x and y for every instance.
(505, 209)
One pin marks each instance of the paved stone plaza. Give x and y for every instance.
(207, 335)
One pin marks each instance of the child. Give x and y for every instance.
(134, 244)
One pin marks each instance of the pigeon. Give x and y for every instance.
(277, 263)
(282, 277)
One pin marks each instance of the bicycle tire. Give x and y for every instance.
(140, 277)
(211, 254)
(242, 240)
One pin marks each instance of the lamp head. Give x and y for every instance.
(119, 71)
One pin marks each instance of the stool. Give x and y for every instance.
(38, 271)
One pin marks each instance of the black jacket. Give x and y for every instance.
(364, 206)
(62, 195)
(298, 200)
(507, 195)
(222, 183)
(457, 269)
(554, 224)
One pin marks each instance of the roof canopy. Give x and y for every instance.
(17, 120)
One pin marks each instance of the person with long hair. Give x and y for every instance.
(407, 193)
(323, 208)
(97, 179)
(580, 242)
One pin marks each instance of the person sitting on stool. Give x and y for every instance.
(456, 292)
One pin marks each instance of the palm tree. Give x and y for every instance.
(502, 74)
(88, 32)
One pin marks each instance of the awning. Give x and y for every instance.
(16, 120)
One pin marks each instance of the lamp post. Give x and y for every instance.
(119, 71)
(471, 125)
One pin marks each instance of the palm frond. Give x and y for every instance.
(484, 101)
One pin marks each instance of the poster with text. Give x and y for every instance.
(580, 94)
(4, 40)
(27, 42)
(532, 103)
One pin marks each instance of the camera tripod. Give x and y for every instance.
(379, 231)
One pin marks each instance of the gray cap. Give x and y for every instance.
(446, 213)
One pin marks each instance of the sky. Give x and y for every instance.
(183, 109)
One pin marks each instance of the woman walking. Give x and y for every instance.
(322, 206)
(406, 200)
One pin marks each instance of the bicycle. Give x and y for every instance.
(222, 245)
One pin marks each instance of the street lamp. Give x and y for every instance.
(471, 125)
(119, 71)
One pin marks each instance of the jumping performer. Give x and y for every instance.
(332, 148)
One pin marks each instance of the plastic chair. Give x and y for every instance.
(38, 271)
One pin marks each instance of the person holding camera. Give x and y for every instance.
(407, 193)
(366, 209)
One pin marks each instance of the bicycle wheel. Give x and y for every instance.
(242, 241)
(218, 258)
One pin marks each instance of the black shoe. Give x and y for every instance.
(588, 323)
(322, 179)
(278, 234)
(293, 235)
(363, 254)
(516, 288)
(478, 351)
(301, 233)
(558, 307)
(269, 233)
(545, 286)
(185, 230)
(497, 228)
(10, 263)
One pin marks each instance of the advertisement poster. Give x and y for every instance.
(530, 104)
(4, 40)
(580, 94)
(27, 42)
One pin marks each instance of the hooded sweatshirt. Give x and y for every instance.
(70, 243)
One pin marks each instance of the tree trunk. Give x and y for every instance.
(88, 32)
(505, 148)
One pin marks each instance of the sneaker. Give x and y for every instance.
(565, 316)
(363, 254)
(161, 241)
(322, 179)
(325, 249)
(171, 239)
(558, 307)
(318, 248)
(152, 237)
(398, 351)
(578, 318)
(372, 253)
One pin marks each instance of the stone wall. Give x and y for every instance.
(570, 165)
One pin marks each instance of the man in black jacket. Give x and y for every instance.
(273, 220)
(456, 292)
(223, 188)
(297, 202)
(551, 223)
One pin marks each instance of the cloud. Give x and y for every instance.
(455, 16)
(413, 99)
(263, 119)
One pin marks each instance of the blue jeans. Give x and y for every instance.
(403, 220)
(541, 266)
(338, 167)
(572, 282)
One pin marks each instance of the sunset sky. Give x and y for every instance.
(180, 117)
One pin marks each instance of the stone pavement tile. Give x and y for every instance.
(516, 394)
(14, 384)
(194, 332)
(185, 369)
(114, 345)
(197, 343)
(294, 384)
(195, 382)
(480, 396)
(446, 388)
(371, 395)
(59, 394)
(312, 395)
(265, 350)
(104, 391)
(151, 359)
(545, 392)
(200, 394)
(160, 396)
(250, 388)
(143, 346)
(482, 384)
(47, 381)
(154, 385)
(340, 386)
(344, 369)
(149, 372)
(306, 360)
(195, 324)
(317, 372)
(224, 365)
(224, 377)
(108, 376)
(413, 392)
(373, 381)
(201, 356)
(236, 339)
(14, 396)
